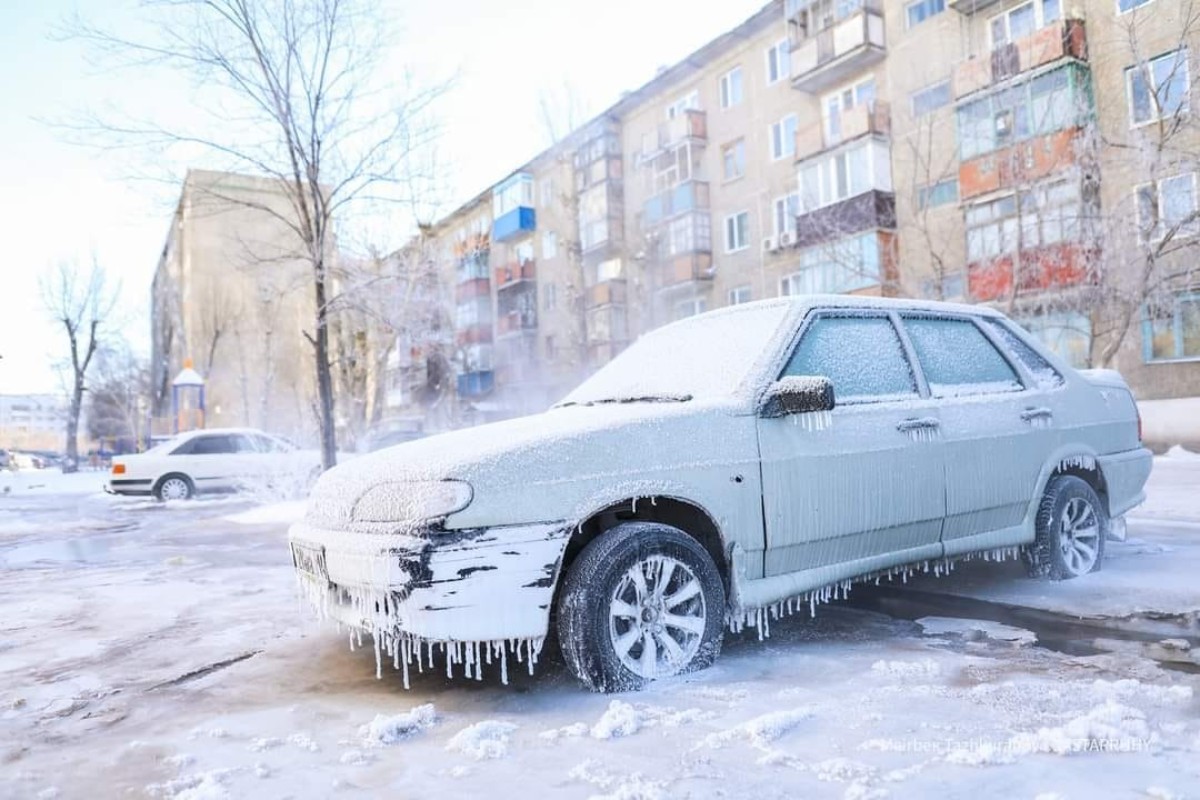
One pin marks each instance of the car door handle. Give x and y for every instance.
(1030, 414)
(917, 423)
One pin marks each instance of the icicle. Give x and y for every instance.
(503, 664)
(378, 659)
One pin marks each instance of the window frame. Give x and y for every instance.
(926, 90)
(1158, 233)
(725, 84)
(782, 64)
(1136, 69)
(1177, 300)
(737, 291)
(787, 144)
(1039, 21)
(727, 229)
(1132, 8)
(737, 145)
(909, 24)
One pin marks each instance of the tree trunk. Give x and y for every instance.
(71, 459)
(324, 379)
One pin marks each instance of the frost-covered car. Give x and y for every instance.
(213, 460)
(723, 470)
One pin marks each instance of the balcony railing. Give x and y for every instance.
(687, 196)
(1065, 39)
(871, 119)
(606, 293)
(833, 54)
(1020, 163)
(514, 273)
(691, 124)
(686, 268)
(516, 322)
(971, 6)
(472, 288)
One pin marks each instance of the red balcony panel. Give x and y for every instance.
(514, 272)
(474, 334)
(1052, 267)
(1023, 162)
(470, 289)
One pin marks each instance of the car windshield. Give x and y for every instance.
(706, 357)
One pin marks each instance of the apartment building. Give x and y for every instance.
(34, 421)
(1036, 155)
(231, 294)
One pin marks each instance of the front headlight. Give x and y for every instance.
(405, 501)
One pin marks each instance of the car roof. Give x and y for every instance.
(859, 301)
(206, 431)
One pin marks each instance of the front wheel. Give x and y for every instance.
(1072, 525)
(174, 487)
(642, 601)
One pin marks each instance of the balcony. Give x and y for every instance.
(606, 293)
(1049, 268)
(687, 196)
(517, 222)
(867, 211)
(471, 288)
(691, 124)
(1019, 164)
(475, 384)
(872, 119)
(512, 274)
(685, 268)
(1065, 39)
(479, 333)
(968, 7)
(515, 322)
(840, 50)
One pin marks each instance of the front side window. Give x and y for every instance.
(1159, 88)
(1046, 376)
(958, 359)
(731, 88)
(861, 356)
(1171, 329)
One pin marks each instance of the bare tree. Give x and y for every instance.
(295, 92)
(118, 395)
(82, 302)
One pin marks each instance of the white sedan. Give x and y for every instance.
(214, 460)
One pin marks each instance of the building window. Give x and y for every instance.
(1067, 334)
(733, 160)
(1167, 208)
(689, 102)
(939, 194)
(846, 265)
(593, 217)
(833, 106)
(864, 167)
(1171, 329)
(1159, 88)
(737, 231)
(783, 137)
(549, 296)
(921, 10)
(1051, 102)
(1017, 23)
(690, 308)
(739, 295)
(546, 190)
(549, 245)
(930, 99)
(731, 88)
(778, 61)
(1130, 5)
(690, 233)
(786, 210)
(515, 192)
(1049, 214)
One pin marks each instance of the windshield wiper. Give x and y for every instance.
(648, 398)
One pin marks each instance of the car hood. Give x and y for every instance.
(527, 461)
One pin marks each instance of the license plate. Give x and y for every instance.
(310, 559)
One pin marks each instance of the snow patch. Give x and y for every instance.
(623, 719)
(273, 514)
(303, 741)
(762, 730)
(575, 731)
(483, 740)
(265, 743)
(385, 730)
(630, 787)
(969, 628)
(1112, 726)
(198, 786)
(925, 668)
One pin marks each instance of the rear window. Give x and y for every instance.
(958, 359)
(1046, 376)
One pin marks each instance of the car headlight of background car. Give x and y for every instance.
(403, 501)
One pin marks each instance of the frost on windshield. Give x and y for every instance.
(861, 356)
(706, 358)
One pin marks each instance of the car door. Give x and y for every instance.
(864, 491)
(209, 461)
(997, 429)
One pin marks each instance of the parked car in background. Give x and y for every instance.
(379, 438)
(755, 459)
(214, 460)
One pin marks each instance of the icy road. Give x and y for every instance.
(159, 650)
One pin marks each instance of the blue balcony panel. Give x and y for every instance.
(475, 384)
(520, 220)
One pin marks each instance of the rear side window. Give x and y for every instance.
(1046, 376)
(861, 356)
(958, 359)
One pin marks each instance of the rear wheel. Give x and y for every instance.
(174, 487)
(642, 601)
(1072, 525)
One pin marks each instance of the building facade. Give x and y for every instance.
(34, 421)
(1035, 155)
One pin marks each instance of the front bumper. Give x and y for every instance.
(482, 584)
(128, 485)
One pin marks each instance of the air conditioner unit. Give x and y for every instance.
(769, 245)
(787, 239)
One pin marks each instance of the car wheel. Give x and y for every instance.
(174, 487)
(1072, 525)
(642, 601)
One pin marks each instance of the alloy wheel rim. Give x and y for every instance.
(657, 617)
(1080, 539)
(174, 489)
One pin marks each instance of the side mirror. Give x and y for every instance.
(798, 394)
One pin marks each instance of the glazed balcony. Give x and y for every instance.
(514, 274)
(968, 7)
(515, 322)
(478, 333)
(871, 119)
(472, 288)
(1020, 163)
(606, 293)
(832, 55)
(1050, 268)
(1063, 39)
(685, 268)
(687, 196)
(872, 210)
(690, 125)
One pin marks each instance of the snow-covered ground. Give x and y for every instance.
(159, 650)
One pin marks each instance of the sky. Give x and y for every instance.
(63, 201)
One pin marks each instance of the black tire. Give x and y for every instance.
(587, 625)
(1059, 550)
(167, 481)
